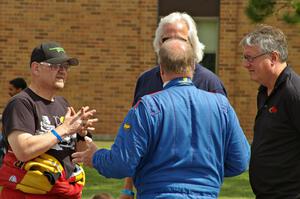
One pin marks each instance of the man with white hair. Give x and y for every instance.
(180, 26)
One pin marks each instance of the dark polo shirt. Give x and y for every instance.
(150, 82)
(275, 152)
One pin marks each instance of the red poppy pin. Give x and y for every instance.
(273, 109)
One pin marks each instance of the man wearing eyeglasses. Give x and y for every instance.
(41, 131)
(275, 152)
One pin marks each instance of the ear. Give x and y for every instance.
(35, 68)
(275, 57)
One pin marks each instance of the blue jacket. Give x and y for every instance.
(150, 82)
(177, 143)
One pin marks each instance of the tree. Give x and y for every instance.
(287, 10)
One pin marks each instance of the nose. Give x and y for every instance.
(63, 68)
(246, 64)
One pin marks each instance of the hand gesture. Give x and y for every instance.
(80, 121)
(87, 124)
(86, 157)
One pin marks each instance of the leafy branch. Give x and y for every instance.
(288, 10)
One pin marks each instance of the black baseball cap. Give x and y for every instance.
(53, 53)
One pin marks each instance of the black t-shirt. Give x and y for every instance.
(275, 151)
(30, 113)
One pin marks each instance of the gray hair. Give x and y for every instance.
(177, 56)
(174, 17)
(268, 39)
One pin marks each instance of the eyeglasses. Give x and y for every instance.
(64, 65)
(249, 59)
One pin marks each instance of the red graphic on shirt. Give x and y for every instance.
(273, 109)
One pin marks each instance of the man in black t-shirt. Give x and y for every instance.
(275, 153)
(41, 132)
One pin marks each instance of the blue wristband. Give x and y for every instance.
(56, 135)
(127, 192)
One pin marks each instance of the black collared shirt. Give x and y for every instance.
(275, 160)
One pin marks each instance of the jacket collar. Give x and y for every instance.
(181, 81)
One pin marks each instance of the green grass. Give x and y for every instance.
(233, 188)
(96, 184)
(237, 188)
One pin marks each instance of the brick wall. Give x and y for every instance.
(242, 91)
(112, 39)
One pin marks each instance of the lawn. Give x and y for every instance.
(233, 188)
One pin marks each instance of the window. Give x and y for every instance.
(208, 33)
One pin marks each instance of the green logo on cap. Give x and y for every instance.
(58, 49)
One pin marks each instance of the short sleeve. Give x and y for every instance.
(18, 115)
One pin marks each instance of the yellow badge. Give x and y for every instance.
(126, 126)
(62, 119)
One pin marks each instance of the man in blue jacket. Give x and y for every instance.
(177, 143)
(180, 26)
